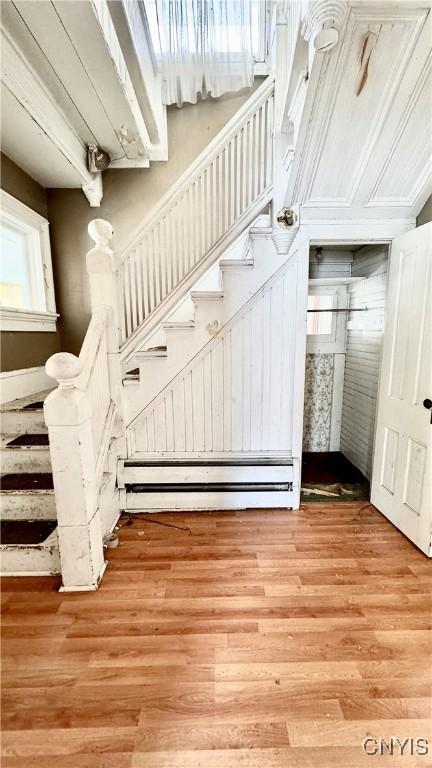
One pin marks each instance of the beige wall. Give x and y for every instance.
(25, 349)
(425, 215)
(128, 197)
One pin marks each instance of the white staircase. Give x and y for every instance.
(207, 311)
(178, 397)
(28, 512)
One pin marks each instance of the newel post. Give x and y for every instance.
(68, 418)
(102, 272)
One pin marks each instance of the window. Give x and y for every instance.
(258, 17)
(319, 322)
(26, 284)
(326, 327)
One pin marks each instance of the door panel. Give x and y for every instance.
(401, 478)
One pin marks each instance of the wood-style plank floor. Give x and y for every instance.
(258, 639)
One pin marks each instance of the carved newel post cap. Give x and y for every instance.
(100, 231)
(64, 367)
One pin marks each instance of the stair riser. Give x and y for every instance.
(28, 506)
(19, 422)
(31, 559)
(25, 460)
(178, 344)
(207, 313)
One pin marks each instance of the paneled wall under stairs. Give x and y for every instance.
(237, 395)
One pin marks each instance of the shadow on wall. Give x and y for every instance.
(129, 195)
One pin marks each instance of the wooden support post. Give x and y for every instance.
(68, 418)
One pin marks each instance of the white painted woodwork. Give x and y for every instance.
(401, 478)
(189, 228)
(363, 355)
(31, 559)
(134, 37)
(82, 418)
(157, 472)
(31, 505)
(240, 279)
(206, 500)
(17, 384)
(24, 459)
(15, 419)
(229, 398)
(29, 104)
(365, 155)
(71, 77)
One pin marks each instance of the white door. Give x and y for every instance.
(401, 476)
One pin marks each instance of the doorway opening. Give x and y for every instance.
(345, 327)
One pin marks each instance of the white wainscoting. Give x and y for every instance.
(23, 382)
(363, 356)
(236, 396)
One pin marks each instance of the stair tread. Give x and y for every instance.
(29, 403)
(26, 532)
(207, 295)
(27, 481)
(145, 353)
(178, 324)
(29, 441)
(236, 263)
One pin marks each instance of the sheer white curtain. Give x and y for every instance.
(204, 47)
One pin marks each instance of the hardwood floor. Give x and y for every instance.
(257, 639)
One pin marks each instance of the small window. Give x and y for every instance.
(26, 284)
(223, 39)
(320, 322)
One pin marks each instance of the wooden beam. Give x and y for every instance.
(21, 80)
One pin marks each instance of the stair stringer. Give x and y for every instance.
(235, 399)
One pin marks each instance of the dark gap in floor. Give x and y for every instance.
(330, 476)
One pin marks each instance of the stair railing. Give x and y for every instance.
(82, 417)
(230, 179)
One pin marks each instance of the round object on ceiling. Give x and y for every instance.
(326, 39)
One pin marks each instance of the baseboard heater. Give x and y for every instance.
(207, 482)
(237, 462)
(206, 487)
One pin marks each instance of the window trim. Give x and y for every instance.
(20, 216)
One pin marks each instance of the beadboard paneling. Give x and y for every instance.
(236, 395)
(363, 356)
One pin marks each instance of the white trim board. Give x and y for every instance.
(23, 382)
(26, 320)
